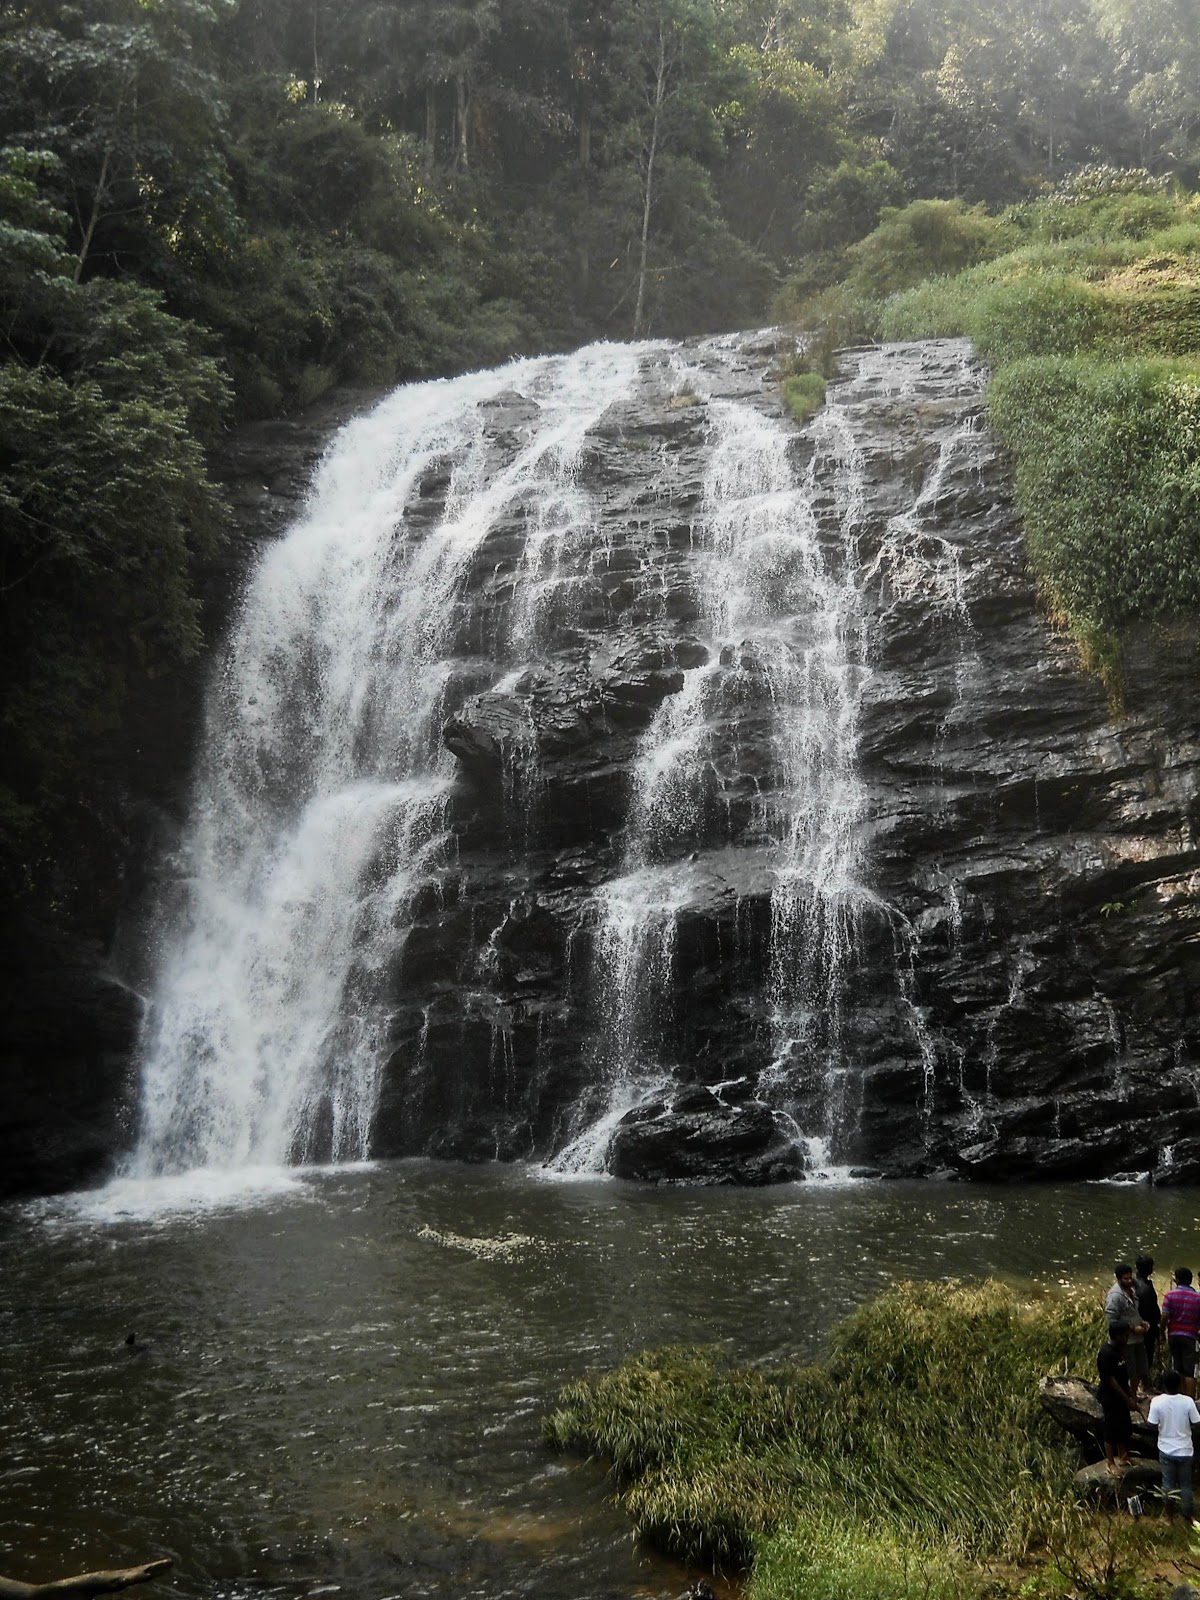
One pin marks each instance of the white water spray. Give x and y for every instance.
(320, 804)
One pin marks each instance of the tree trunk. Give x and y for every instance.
(430, 126)
(316, 71)
(97, 203)
(460, 115)
(660, 93)
(87, 1583)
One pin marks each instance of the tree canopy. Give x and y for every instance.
(213, 209)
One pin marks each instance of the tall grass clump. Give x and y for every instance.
(803, 394)
(822, 1559)
(920, 1439)
(928, 238)
(1108, 475)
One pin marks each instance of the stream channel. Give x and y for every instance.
(340, 1376)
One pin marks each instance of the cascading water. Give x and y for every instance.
(625, 559)
(320, 802)
(780, 621)
(787, 600)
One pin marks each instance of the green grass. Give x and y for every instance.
(803, 394)
(916, 1452)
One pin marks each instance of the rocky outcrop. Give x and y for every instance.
(66, 1049)
(1022, 997)
(699, 1137)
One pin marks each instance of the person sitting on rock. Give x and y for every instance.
(1121, 1309)
(1181, 1324)
(1175, 1415)
(1114, 1396)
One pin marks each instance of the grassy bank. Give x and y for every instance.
(915, 1461)
(1086, 306)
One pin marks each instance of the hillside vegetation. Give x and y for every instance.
(1086, 305)
(214, 210)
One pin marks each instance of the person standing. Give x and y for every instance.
(1181, 1323)
(1175, 1415)
(1121, 1309)
(1147, 1298)
(1114, 1396)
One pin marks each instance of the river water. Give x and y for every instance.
(339, 1379)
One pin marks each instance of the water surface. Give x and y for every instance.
(343, 1379)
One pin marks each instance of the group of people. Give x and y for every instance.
(1141, 1333)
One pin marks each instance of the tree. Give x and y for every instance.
(1158, 50)
(105, 502)
(668, 55)
(125, 102)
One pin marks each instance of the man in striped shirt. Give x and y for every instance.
(1181, 1323)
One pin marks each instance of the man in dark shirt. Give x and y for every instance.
(1115, 1396)
(1147, 1299)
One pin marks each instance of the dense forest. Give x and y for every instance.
(217, 210)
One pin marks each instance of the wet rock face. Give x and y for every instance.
(66, 1042)
(1020, 996)
(700, 1138)
(1008, 976)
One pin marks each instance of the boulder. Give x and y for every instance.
(1114, 1488)
(67, 1038)
(1073, 1405)
(696, 1138)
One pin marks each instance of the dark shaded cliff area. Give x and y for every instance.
(1022, 1000)
(73, 987)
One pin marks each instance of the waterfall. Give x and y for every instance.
(319, 805)
(488, 547)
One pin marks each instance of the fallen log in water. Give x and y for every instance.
(87, 1583)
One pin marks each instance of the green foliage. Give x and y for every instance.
(105, 505)
(937, 309)
(825, 1474)
(824, 1559)
(833, 319)
(928, 238)
(803, 394)
(1108, 471)
(846, 204)
(1044, 315)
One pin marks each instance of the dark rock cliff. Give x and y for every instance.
(1021, 999)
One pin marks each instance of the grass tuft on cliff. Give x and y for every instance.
(916, 1451)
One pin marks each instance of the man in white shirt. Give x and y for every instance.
(1175, 1415)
